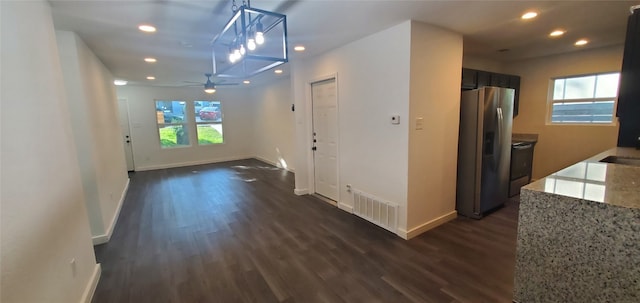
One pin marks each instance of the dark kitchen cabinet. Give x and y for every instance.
(628, 111)
(500, 80)
(472, 79)
(484, 79)
(514, 82)
(469, 78)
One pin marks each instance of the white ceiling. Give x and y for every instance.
(185, 28)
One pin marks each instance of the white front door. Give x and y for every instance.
(123, 114)
(325, 137)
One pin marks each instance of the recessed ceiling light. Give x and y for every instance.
(147, 28)
(581, 42)
(299, 48)
(557, 33)
(278, 71)
(120, 82)
(529, 15)
(151, 78)
(150, 60)
(246, 81)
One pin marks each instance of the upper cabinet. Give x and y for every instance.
(628, 110)
(472, 79)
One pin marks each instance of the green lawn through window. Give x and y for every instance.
(207, 134)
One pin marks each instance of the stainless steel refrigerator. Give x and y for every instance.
(484, 150)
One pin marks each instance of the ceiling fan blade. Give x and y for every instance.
(201, 83)
(190, 85)
(226, 84)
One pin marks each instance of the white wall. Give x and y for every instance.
(95, 125)
(480, 63)
(238, 126)
(372, 84)
(436, 63)
(274, 123)
(561, 145)
(43, 217)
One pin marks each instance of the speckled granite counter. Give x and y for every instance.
(579, 234)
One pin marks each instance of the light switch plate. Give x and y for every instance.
(419, 123)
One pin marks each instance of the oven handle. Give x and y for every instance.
(523, 146)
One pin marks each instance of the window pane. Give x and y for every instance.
(558, 89)
(210, 133)
(580, 87)
(607, 86)
(170, 111)
(583, 112)
(208, 111)
(173, 135)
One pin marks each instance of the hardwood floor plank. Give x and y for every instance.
(235, 232)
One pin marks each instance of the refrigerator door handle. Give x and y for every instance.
(500, 125)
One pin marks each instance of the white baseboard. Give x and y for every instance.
(90, 289)
(427, 226)
(301, 191)
(101, 239)
(191, 163)
(345, 207)
(273, 163)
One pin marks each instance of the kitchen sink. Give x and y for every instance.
(622, 160)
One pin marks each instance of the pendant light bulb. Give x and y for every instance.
(251, 44)
(259, 34)
(232, 56)
(259, 38)
(242, 50)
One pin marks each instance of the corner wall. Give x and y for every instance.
(92, 104)
(274, 123)
(43, 219)
(561, 145)
(372, 85)
(436, 64)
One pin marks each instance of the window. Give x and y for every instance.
(172, 126)
(584, 99)
(177, 126)
(208, 122)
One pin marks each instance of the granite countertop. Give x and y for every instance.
(529, 138)
(591, 180)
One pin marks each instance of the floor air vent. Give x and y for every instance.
(375, 210)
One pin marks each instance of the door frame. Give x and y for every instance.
(133, 152)
(309, 114)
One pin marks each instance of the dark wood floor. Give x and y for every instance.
(235, 232)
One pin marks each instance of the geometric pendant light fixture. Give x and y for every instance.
(252, 42)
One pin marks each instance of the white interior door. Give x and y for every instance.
(325, 138)
(123, 114)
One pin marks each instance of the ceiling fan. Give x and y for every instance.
(209, 86)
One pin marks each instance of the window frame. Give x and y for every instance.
(551, 101)
(184, 124)
(196, 123)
